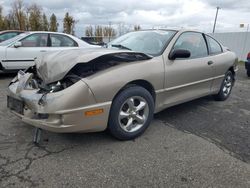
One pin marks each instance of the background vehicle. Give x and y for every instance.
(8, 34)
(20, 51)
(247, 64)
(121, 86)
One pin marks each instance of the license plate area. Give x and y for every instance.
(15, 105)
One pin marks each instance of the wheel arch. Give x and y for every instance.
(140, 82)
(232, 70)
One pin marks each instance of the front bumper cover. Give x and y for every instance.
(72, 121)
(63, 111)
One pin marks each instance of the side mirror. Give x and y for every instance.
(18, 44)
(179, 53)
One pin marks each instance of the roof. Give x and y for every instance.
(7, 31)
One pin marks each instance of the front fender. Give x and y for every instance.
(106, 84)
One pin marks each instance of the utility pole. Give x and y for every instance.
(109, 33)
(215, 20)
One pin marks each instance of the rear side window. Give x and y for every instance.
(193, 42)
(214, 46)
(62, 41)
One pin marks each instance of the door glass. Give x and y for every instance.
(6, 36)
(215, 47)
(35, 40)
(194, 43)
(61, 41)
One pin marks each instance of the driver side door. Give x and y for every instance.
(23, 57)
(188, 78)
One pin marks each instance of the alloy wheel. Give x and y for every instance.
(227, 85)
(133, 114)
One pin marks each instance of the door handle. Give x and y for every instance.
(43, 50)
(210, 62)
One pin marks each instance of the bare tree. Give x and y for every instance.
(19, 13)
(89, 31)
(137, 27)
(98, 33)
(10, 21)
(109, 31)
(1, 19)
(35, 17)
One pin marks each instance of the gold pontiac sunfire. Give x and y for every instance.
(120, 86)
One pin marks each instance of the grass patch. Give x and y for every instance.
(241, 63)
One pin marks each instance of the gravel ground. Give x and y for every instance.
(202, 143)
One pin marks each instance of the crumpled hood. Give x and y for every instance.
(53, 66)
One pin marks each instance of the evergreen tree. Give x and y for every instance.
(53, 25)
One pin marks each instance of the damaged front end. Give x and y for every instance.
(57, 99)
(55, 107)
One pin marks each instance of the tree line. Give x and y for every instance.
(32, 18)
(98, 32)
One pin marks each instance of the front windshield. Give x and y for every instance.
(149, 42)
(8, 42)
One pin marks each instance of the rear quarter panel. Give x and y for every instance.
(222, 63)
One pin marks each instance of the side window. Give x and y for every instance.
(35, 40)
(61, 41)
(7, 36)
(193, 42)
(215, 47)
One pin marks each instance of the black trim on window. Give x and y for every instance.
(20, 60)
(20, 40)
(167, 43)
(209, 47)
(50, 44)
(190, 57)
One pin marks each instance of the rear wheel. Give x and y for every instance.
(226, 87)
(131, 113)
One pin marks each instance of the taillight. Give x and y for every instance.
(248, 55)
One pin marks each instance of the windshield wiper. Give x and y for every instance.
(120, 46)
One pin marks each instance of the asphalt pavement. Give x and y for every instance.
(202, 143)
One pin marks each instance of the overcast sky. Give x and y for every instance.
(194, 14)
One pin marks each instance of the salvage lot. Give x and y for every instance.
(202, 143)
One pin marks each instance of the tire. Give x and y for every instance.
(226, 87)
(131, 113)
(248, 73)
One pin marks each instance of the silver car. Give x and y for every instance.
(120, 87)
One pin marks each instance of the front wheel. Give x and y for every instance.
(226, 87)
(131, 113)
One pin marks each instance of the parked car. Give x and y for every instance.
(247, 64)
(120, 87)
(20, 51)
(8, 34)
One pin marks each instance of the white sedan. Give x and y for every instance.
(20, 51)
